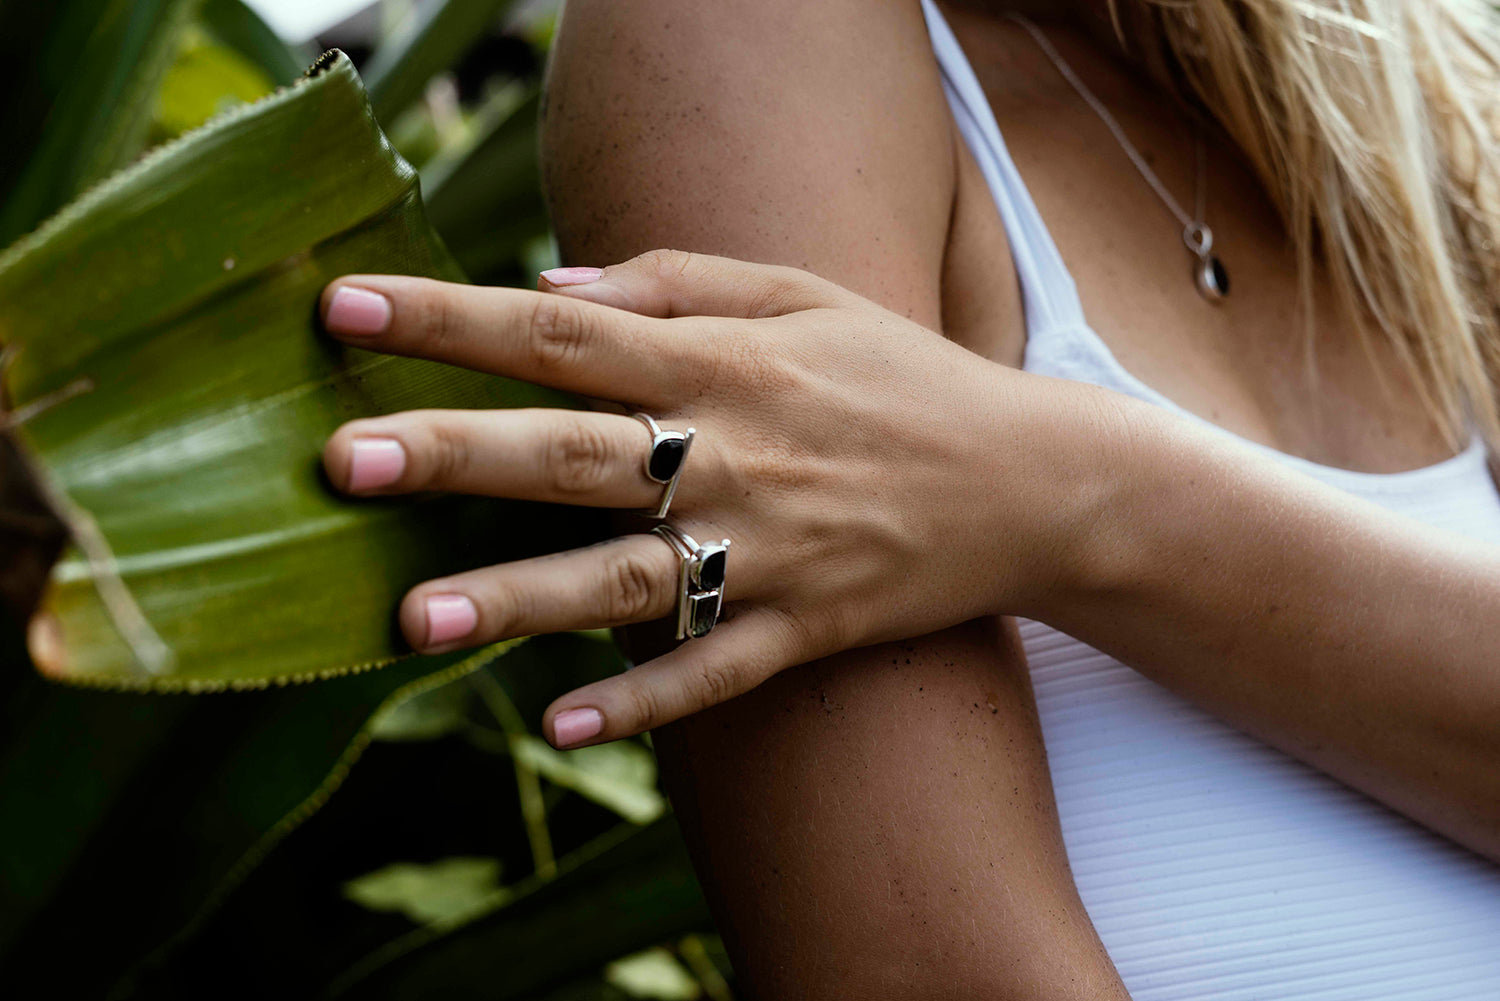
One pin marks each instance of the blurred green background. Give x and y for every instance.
(385, 835)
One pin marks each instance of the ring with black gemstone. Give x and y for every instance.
(700, 581)
(664, 461)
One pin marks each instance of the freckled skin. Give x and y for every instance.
(879, 824)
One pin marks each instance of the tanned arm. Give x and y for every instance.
(879, 824)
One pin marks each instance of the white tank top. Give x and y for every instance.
(1214, 866)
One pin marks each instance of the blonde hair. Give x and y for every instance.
(1373, 124)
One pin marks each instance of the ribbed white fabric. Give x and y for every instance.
(1212, 865)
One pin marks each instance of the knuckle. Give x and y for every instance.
(560, 333)
(774, 295)
(775, 465)
(630, 588)
(645, 704)
(505, 611)
(431, 320)
(450, 455)
(579, 460)
(717, 682)
(668, 264)
(799, 638)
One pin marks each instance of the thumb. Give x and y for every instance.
(668, 283)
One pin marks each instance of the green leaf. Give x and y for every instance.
(102, 93)
(138, 815)
(428, 41)
(447, 890)
(428, 716)
(486, 200)
(239, 28)
(38, 47)
(653, 973)
(173, 393)
(207, 79)
(620, 776)
(627, 891)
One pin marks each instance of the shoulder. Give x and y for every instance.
(809, 134)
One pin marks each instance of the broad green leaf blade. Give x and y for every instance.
(487, 202)
(239, 28)
(101, 109)
(173, 393)
(430, 40)
(631, 890)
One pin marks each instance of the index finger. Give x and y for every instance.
(552, 340)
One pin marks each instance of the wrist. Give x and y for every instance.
(1093, 456)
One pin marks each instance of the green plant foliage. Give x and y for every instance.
(237, 27)
(628, 890)
(620, 776)
(428, 41)
(485, 199)
(167, 802)
(99, 68)
(440, 892)
(207, 79)
(653, 973)
(442, 711)
(164, 387)
(185, 396)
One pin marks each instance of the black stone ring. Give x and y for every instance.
(700, 581)
(666, 458)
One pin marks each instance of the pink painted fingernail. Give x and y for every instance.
(358, 311)
(572, 276)
(449, 617)
(375, 462)
(574, 725)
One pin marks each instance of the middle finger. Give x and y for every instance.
(558, 456)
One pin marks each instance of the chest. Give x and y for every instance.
(1260, 363)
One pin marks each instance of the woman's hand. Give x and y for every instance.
(877, 481)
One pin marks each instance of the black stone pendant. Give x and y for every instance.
(1213, 280)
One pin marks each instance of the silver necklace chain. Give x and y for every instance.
(1194, 233)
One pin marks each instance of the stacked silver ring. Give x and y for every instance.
(700, 578)
(700, 582)
(666, 459)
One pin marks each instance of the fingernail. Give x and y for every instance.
(449, 617)
(375, 462)
(358, 311)
(574, 725)
(572, 276)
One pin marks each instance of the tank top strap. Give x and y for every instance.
(1047, 288)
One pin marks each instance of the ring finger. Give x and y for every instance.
(559, 456)
(633, 578)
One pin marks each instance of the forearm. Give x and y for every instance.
(1358, 640)
(880, 825)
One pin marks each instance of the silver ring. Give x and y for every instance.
(700, 581)
(665, 459)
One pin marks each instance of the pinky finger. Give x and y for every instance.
(731, 660)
